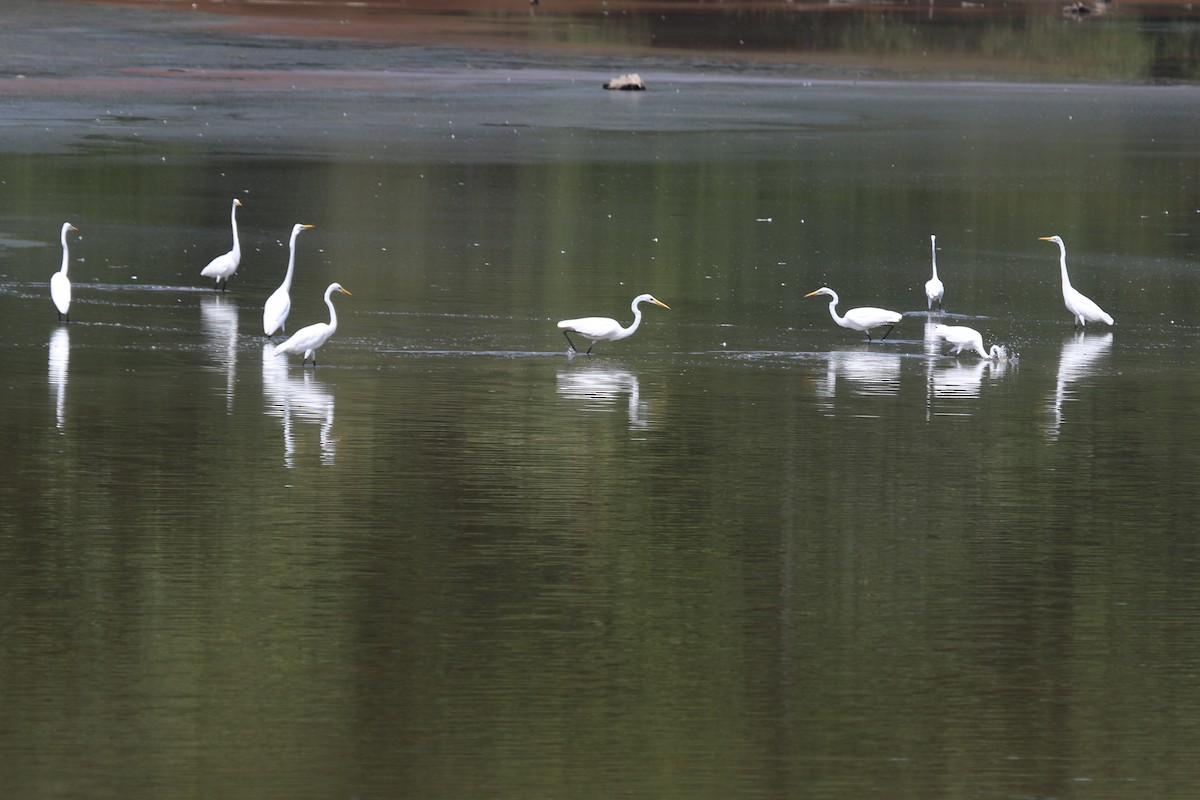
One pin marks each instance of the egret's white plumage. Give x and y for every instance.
(60, 284)
(279, 304)
(1082, 308)
(860, 319)
(964, 338)
(935, 290)
(223, 266)
(309, 338)
(604, 328)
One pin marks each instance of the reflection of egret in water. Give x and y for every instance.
(1078, 361)
(303, 399)
(219, 319)
(602, 387)
(60, 355)
(869, 373)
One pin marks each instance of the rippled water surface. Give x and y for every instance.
(743, 553)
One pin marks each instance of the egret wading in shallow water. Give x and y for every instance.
(223, 266)
(279, 304)
(604, 328)
(964, 338)
(860, 319)
(308, 339)
(60, 284)
(935, 290)
(1082, 308)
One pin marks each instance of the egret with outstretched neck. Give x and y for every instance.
(935, 290)
(964, 338)
(223, 266)
(279, 304)
(309, 338)
(605, 328)
(1082, 308)
(60, 284)
(860, 319)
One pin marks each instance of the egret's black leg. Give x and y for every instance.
(571, 344)
(589, 352)
(868, 332)
(889, 330)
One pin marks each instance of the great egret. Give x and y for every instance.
(60, 284)
(860, 319)
(1082, 308)
(222, 267)
(934, 288)
(604, 328)
(309, 338)
(279, 304)
(964, 338)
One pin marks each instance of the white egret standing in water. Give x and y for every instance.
(60, 284)
(308, 339)
(605, 328)
(860, 319)
(223, 266)
(279, 304)
(1082, 308)
(964, 338)
(935, 290)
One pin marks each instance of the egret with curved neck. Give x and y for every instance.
(860, 319)
(605, 328)
(223, 266)
(309, 338)
(60, 284)
(935, 290)
(279, 304)
(964, 338)
(1082, 308)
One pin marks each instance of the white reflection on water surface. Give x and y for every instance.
(1078, 361)
(303, 399)
(60, 355)
(868, 374)
(219, 318)
(602, 388)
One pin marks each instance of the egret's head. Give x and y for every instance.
(822, 290)
(337, 287)
(237, 202)
(1054, 239)
(649, 298)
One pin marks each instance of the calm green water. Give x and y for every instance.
(743, 553)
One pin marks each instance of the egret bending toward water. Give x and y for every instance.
(964, 338)
(1082, 308)
(308, 339)
(279, 304)
(60, 284)
(604, 328)
(934, 288)
(222, 267)
(860, 319)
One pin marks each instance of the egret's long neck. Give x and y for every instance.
(287, 279)
(637, 320)
(66, 255)
(237, 246)
(1062, 263)
(332, 312)
(833, 301)
(933, 247)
